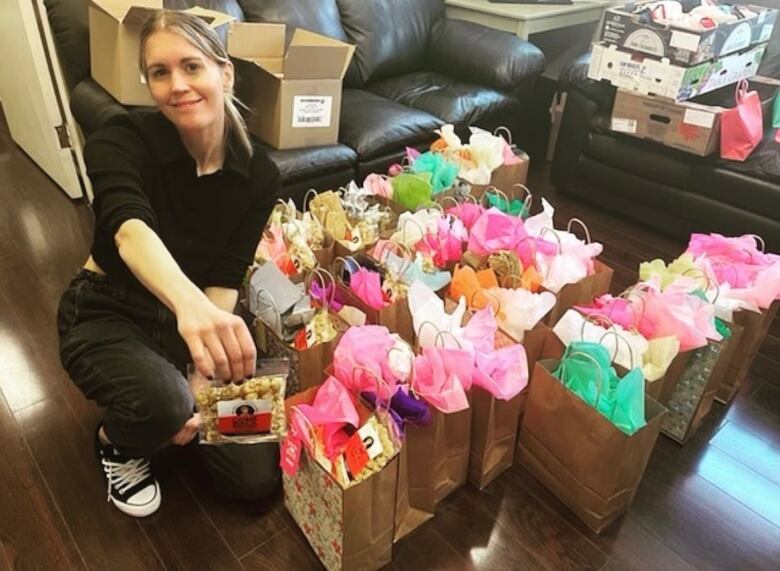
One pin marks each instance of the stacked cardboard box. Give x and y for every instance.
(657, 69)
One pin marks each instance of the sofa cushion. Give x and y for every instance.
(320, 16)
(643, 158)
(391, 35)
(299, 164)
(373, 125)
(449, 99)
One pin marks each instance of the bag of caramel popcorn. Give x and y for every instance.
(247, 413)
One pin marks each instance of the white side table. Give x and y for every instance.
(526, 19)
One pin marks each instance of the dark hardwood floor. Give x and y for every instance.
(712, 504)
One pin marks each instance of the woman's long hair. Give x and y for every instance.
(198, 33)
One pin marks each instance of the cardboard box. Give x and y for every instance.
(295, 97)
(691, 126)
(687, 126)
(685, 46)
(114, 26)
(649, 76)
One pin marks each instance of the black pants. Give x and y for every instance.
(121, 347)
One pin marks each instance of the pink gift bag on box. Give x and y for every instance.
(743, 126)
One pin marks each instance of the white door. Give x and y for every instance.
(35, 105)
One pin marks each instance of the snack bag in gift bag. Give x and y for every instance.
(579, 454)
(248, 413)
(304, 330)
(344, 504)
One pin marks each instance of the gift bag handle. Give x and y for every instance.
(488, 295)
(397, 349)
(342, 263)
(450, 198)
(740, 91)
(321, 273)
(498, 192)
(590, 358)
(555, 235)
(759, 240)
(406, 256)
(430, 206)
(626, 296)
(405, 223)
(528, 200)
(440, 335)
(618, 339)
(502, 129)
(310, 194)
(582, 225)
(595, 318)
(379, 381)
(423, 324)
(711, 283)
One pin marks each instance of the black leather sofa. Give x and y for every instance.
(413, 71)
(672, 191)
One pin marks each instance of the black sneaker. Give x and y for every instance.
(131, 486)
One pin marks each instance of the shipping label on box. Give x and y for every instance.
(684, 46)
(648, 76)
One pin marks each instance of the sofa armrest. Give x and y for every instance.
(92, 106)
(478, 54)
(575, 77)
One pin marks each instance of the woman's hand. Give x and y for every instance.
(219, 342)
(188, 431)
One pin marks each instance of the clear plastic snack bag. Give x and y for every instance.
(246, 413)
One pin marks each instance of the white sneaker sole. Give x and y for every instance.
(142, 510)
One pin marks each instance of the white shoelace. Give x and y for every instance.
(125, 475)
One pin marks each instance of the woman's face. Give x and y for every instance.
(187, 86)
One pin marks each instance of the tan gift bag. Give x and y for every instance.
(755, 327)
(494, 426)
(416, 498)
(579, 455)
(306, 365)
(349, 529)
(505, 176)
(395, 316)
(584, 290)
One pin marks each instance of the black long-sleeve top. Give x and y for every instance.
(211, 224)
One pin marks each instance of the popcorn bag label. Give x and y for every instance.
(244, 416)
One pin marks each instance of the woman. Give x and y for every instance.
(181, 200)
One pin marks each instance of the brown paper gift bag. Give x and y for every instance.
(349, 529)
(578, 454)
(506, 177)
(396, 316)
(493, 436)
(661, 389)
(755, 327)
(416, 498)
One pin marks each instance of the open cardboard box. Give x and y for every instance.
(294, 96)
(114, 26)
